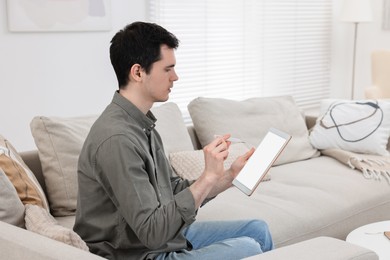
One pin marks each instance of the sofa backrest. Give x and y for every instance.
(31, 158)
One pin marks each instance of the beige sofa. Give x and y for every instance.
(310, 203)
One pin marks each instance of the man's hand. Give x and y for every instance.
(240, 162)
(229, 175)
(215, 154)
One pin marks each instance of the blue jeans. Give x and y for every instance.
(224, 240)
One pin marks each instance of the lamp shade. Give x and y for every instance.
(356, 11)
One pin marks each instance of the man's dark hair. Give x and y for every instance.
(138, 43)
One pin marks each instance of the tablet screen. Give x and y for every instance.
(261, 161)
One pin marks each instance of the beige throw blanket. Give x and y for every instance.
(372, 166)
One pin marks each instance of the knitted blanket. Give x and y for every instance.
(372, 166)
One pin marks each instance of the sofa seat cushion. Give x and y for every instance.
(306, 199)
(66, 221)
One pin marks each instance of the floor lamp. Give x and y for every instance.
(356, 11)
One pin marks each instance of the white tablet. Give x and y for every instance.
(261, 161)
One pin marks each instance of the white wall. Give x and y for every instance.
(69, 74)
(370, 37)
(56, 74)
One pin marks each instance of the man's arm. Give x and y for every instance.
(153, 215)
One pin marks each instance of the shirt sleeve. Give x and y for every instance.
(147, 203)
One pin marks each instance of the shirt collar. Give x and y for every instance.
(147, 122)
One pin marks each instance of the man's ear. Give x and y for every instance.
(135, 72)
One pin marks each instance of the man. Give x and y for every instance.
(129, 205)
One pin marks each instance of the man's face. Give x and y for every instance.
(159, 81)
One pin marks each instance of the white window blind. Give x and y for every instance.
(249, 48)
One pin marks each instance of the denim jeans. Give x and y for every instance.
(224, 240)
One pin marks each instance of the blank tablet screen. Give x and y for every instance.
(262, 159)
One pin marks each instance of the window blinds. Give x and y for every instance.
(241, 49)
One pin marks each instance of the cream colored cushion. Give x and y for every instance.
(306, 199)
(11, 207)
(59, 142)
(40, 221)
(170, 125)
(356, 126)
(190, 164)
(26, 185)
(250, 120)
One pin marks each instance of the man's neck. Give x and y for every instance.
(136, 99)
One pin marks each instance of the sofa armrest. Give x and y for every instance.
(18, 243)
(320, 248)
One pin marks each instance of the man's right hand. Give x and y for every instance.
(215, 154)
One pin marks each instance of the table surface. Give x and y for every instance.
(371, 236)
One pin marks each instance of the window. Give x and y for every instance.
(242, 49)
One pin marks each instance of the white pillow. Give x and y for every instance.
(352, 125)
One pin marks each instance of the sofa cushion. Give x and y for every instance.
(21, 177)
(40, 221)
(356, 126)
(170, 125)
(250, 120)
(59, 142)
(11, 207)
(306, 199)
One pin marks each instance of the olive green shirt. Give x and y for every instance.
(129, 206)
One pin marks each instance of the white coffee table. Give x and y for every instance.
(371, 236)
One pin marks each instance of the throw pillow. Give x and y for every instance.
(11, 208)
(40, 221)
(190, 164)
(170, 125)
(59, 142)
(352, 125)
(250, 120)
(26, 185)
